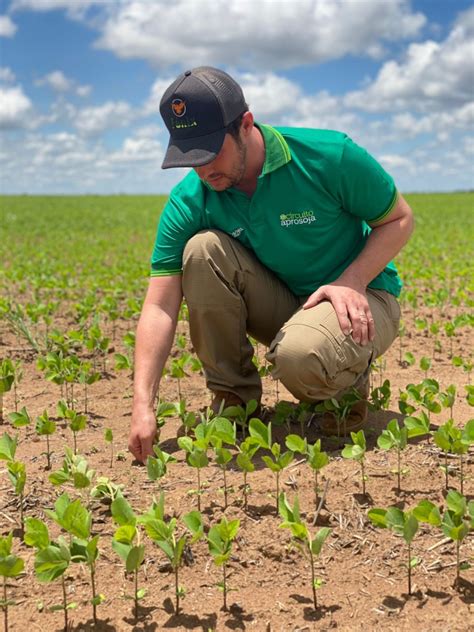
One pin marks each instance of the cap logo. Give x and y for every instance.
(179, 107)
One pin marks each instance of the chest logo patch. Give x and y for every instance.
(296, 219)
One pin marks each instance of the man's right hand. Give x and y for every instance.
(143, 433)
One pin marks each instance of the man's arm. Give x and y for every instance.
(155, 334)
(348, 292)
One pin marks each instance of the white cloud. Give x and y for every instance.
(15, 108)
(58, 82)
(6, 74)
(262, 34)
(95, 120)
(7, 27)
(432, 75)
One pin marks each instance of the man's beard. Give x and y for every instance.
(234, 177)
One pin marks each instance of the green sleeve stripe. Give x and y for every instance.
(375, 221)
(160, 273)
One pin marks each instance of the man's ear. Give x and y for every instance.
(247, 124)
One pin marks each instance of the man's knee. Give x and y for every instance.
(201, 246)
(314, 364)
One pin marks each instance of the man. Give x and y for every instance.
(285, 234)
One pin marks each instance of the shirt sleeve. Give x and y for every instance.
(180, 220)
(366, 189)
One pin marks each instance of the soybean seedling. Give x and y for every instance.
(17, 475)
(76, 421)
(109, 438)
(106, 489)
(403, 523)
(309, 545)
(394, 437)
(247, 450)
(223, 433)
(340, 409)
(219, 539)
(315, 458)
(356, 451)
(196, 456)
(277, 462)
(240, 414)
(157, 466)
(46, 427)
(457, 521)
(10, 566)
(75, 471)
(52, 559)
(21, 419)
(126, 543)
(7, 377)
(163, 533)
(453, 440)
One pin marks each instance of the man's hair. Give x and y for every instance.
(234, 127)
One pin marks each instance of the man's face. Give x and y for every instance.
(227, 168)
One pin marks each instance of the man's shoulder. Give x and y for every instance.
(189, 186)
(313, 142)
(311, 135)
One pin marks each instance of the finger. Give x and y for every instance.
(371, 326)
(359, 325)
(134, 446)
(313, 300)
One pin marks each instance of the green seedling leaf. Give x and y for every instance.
(378, 517)
(427, 512)
(261, 433)
(122, 513)
(51, 562)
(319, 539)
(135, 558)
(295, 443)
(36, 533)
(8, 447)
(20, 419)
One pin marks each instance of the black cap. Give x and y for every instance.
(197, 109)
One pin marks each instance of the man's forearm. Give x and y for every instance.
(155, 334)
(383, 244)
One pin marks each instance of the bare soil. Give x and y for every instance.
(363, 568)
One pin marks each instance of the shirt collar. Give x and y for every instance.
(277, 152)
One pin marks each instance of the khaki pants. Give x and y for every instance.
(230, 294)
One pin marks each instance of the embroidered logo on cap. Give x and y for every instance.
(179, 107)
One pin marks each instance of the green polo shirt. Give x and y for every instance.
(310, 216)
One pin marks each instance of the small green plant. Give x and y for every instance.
(45, 427)
(106, 490)
(52, 559)
(224, 432)
(76, 422)
(17, 475)
(126, 543)
(20, 419)
(196, 456)
(380, 397)
(308, 544)
(356, 451)
(340, 409)
(163, 533)
(7, 377)
(402, 523)
(246, 451)
(241, 414)
(109, 438)
(10, 566)
(394, 437)
(75, 471)
(157, 466)
(277, 462)
(456, 523)
(220, 539)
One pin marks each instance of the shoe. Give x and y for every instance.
(224, 399)
(356, 419)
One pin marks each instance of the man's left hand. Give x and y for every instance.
(352, 309)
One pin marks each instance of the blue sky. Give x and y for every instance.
(81, 81)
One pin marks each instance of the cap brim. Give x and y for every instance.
(193, 152)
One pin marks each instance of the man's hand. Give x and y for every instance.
(352, 309)
(142, 435)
